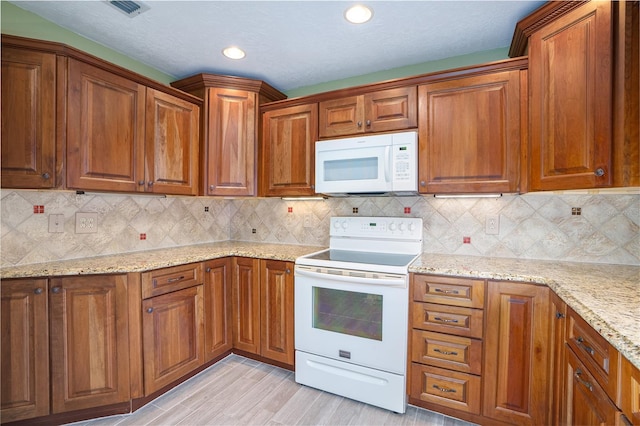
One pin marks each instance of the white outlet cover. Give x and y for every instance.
(492, 225)
(86, 222)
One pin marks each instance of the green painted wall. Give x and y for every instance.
(19, 22)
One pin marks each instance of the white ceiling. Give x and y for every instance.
(289, 44)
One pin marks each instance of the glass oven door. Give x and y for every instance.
(361, 320)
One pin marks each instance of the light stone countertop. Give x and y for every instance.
(606, 296)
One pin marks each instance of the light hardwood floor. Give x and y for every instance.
(241, 391)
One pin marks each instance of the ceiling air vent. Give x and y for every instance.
(129, 8)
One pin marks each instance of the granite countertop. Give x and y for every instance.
(606, 296)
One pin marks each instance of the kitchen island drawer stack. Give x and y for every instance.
(446, 342)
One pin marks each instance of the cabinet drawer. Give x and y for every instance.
(166, 280)
(595, 352)
(447, 388)
(448, 291)
(446, 351)
(448, 319)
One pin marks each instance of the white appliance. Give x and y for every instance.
(351, 310)
(374, 165)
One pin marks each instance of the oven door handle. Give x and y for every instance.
(386, 282)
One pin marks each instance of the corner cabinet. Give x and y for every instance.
(287, 151)
(570, 72)
(230, 122)
(470, 133)
(379, 111)
(29, 114)
(263, 309)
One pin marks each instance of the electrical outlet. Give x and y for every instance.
(492, 225)
(308, 221)
(56, 223)
(86, 223)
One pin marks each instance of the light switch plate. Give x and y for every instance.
(56, 223)
(86, 223)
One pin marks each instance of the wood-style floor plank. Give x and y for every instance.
(240, 391)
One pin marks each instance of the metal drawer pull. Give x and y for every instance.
(38, 290)
(439, 290)
(172, 280)
(445, 352)
(444, 389)
(445, 319)
(586, 384)
(589, 349)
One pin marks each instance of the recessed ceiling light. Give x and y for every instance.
(358, 14)
(233, 52)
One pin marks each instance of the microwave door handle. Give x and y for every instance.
(387, 163)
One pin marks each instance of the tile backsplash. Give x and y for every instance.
(531, 226)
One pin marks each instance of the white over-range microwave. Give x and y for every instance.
(373, 165)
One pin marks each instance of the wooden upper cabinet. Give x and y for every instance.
(381, 111)
(171, 152)
(231, 148)
(29, 119)
(287, 157)
(470, 134)
(570, 74)
(230, 123)
(516, 361)
(89, 342)
(276, 312)
(25, 349)
(105, 130)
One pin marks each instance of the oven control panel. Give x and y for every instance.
(377, 227)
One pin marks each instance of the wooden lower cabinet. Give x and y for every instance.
(276, 311)
(263, 308)
(516, 353)
(25, 349)
(173, 331)
(217, 308)
(630, 392)
(89, 342)
(586, 402)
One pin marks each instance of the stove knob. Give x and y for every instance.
(392, 226)
(345, 225)
(336, 224)
(412, 226)
(401, 226)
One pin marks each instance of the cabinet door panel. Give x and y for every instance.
(217, 308)
(571, 94)
(339, 117)
(288, 151)
(105, 130)
(277, 311)
(171, 148)
(246, 304)
(587, 402)
(172, 336)
(28, 119)
(516, 353)
(89, 342)
(25, 349)
(231, 154)
(481, 152)
(392, 109)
